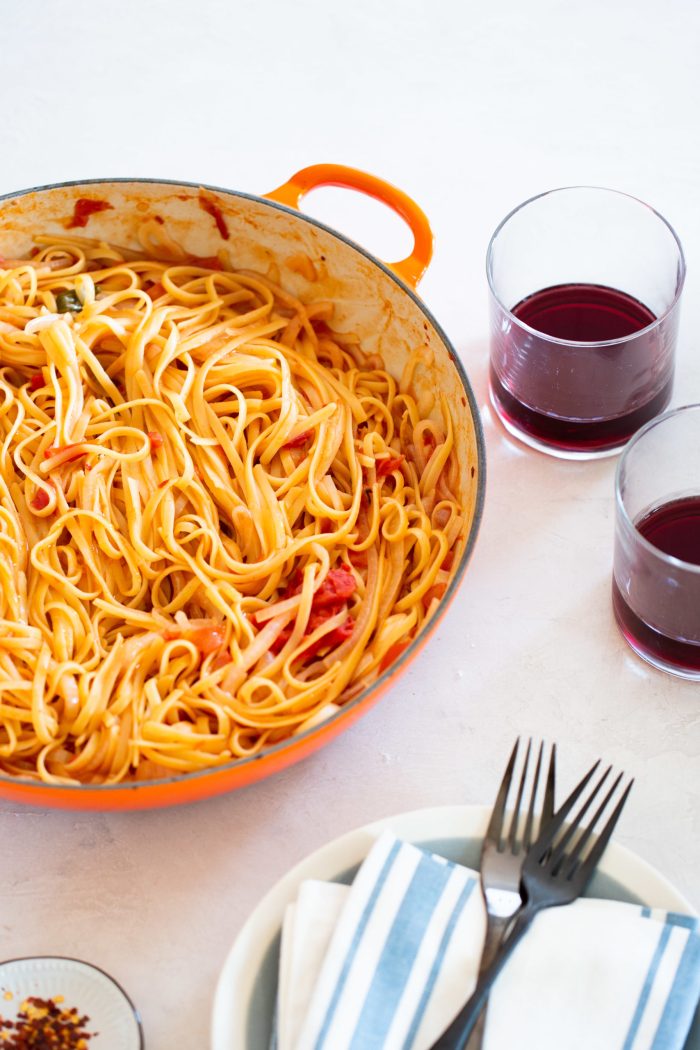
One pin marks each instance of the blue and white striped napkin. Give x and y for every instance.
(386, 963)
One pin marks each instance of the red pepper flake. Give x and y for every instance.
(208, 205)
(389, 465)
(159, 219)
(37, 381)
(156, 440)
(299, 440)
(162, 484)
(84, 208)
(45, 1024)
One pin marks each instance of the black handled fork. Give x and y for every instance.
(556, 871)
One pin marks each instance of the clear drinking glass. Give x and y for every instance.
(656, 568)
(585, 287)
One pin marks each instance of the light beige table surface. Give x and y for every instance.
(471, 108)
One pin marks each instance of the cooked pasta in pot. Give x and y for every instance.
(219, 519)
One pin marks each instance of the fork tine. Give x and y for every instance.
(549, 831)
(558, 855)
(585, 871)
(515, 819)
(527, 834)
(580, 844)
(548, 804)
(493, 832)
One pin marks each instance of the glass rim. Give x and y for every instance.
(574, 342)
(669, 559)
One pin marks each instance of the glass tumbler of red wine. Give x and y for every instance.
(585, 286)
(656, 567)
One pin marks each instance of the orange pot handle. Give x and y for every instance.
(410, 269)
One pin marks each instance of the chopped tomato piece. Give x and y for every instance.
(448, 560)
(207, 262)
(207, 639)
(331, 640)
(76, 453)
(337, 587)
(436, 591)
(37, 381)
(328, 641)
(387, 466)
(342, 633)
(208, 205)
(293, 585)
(299, 440)
(392, 654)
(281, 640)
(84, 208)
(41, 500)
(329, 599)
(156, 440)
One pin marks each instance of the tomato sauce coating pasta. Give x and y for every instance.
(219, 518)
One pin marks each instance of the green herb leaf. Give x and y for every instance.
(68, 302)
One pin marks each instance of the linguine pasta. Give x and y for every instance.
(219, 519)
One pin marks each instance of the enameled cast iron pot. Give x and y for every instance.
(375, 300)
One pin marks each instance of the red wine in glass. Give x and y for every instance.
(674, 529)
(574, 395)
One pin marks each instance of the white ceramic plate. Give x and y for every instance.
(111, 1014)
(245, 994)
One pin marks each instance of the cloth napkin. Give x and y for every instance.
(386, 963)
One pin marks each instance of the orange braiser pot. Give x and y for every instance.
(375, 300)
